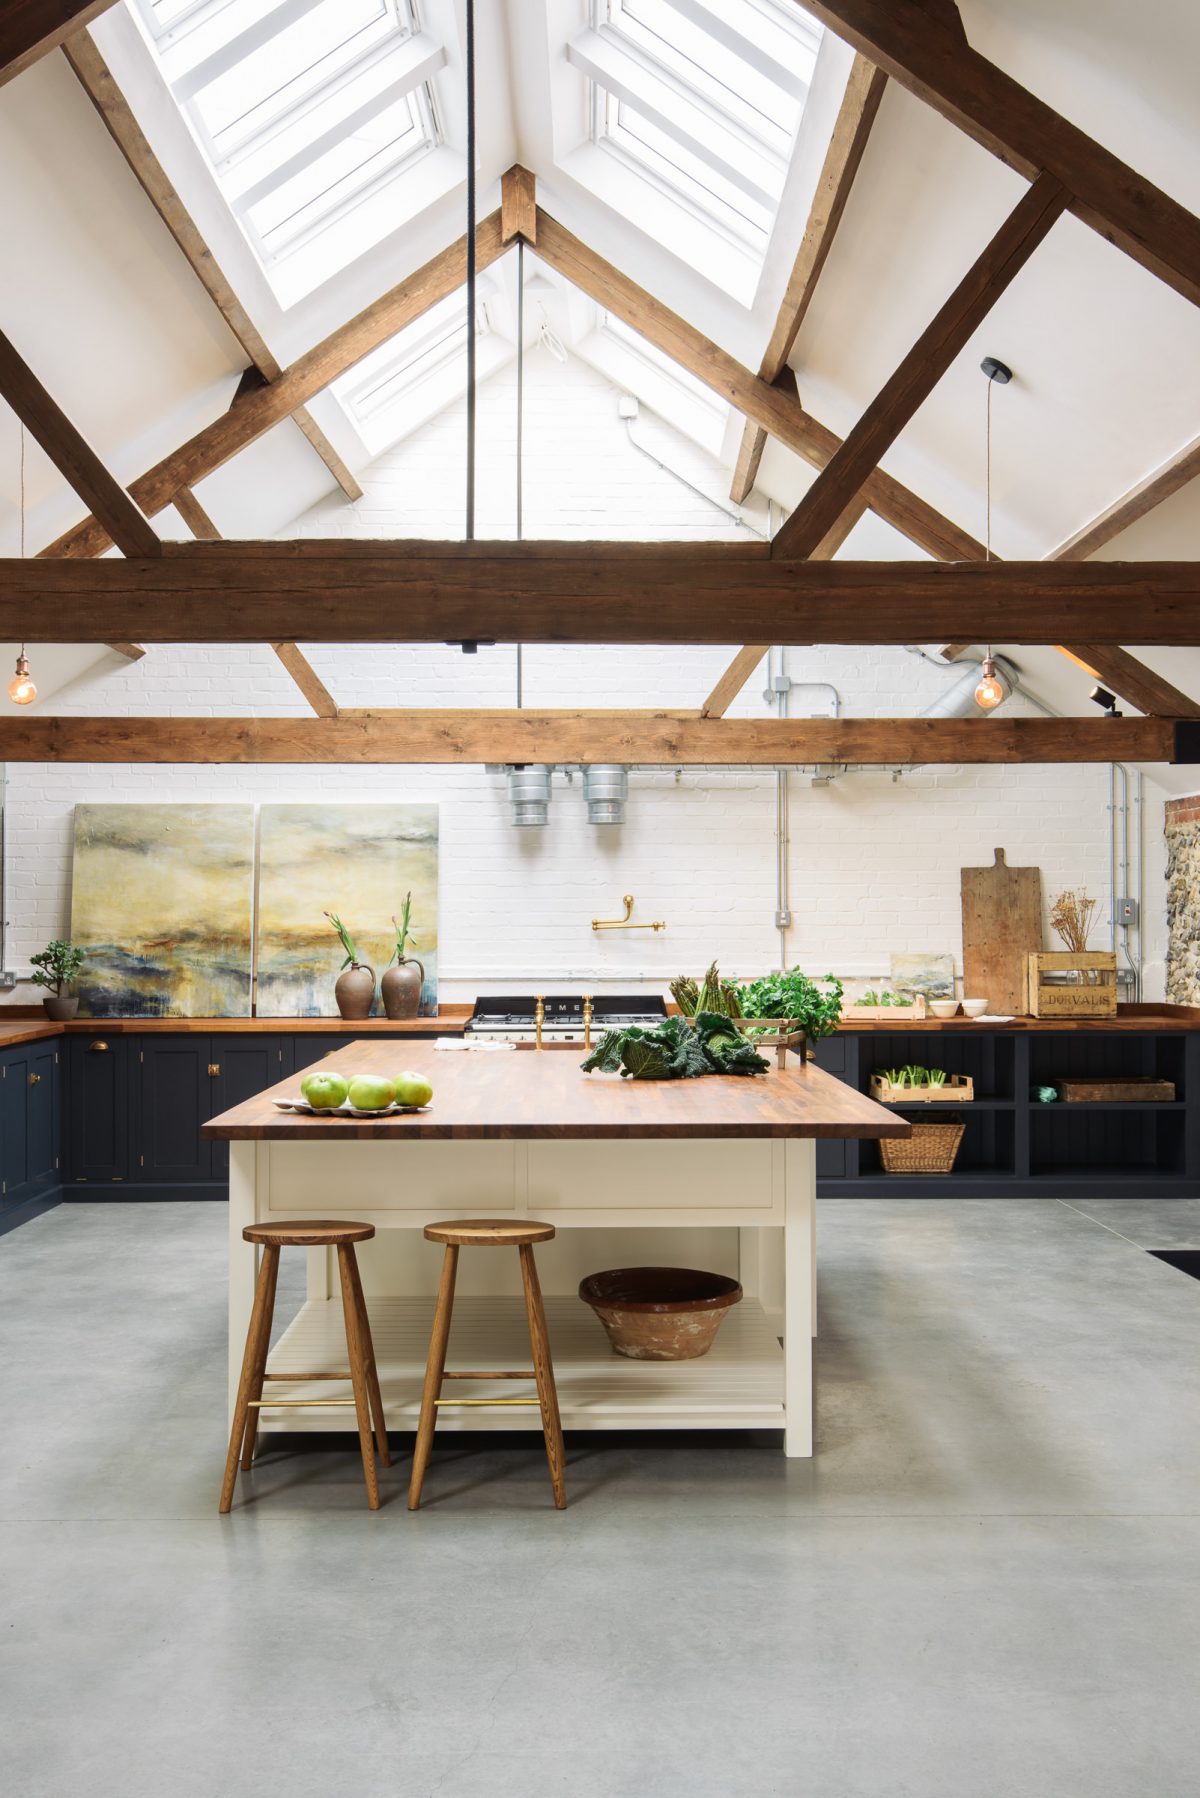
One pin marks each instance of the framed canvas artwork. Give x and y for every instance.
(357, 861)
(161, 903)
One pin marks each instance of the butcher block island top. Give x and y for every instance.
(523, 1094)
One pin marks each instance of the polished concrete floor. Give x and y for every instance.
(986, 1585)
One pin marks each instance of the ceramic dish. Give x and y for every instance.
(943, 1008)
(345, 1109)
(974, 1008)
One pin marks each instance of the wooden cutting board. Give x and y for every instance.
(1002, 924)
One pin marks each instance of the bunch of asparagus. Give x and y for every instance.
(713, 994)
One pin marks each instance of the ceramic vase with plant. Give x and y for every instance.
(56, 966)
(401, 985)
(355, 986)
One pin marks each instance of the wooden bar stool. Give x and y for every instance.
(489, 1233)
(304, 1233)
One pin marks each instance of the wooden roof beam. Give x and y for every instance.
(99, 83)
(925, 49)
(255, 411)
(779, 412)
(662, 739)
(518, 205)
(839, 484)
(414, 591)
(1175, 473)
(74, 458)
(30, 29)
(307, 679)
(746, 660)
(852, 128)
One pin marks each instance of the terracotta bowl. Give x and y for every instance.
(660, 1313)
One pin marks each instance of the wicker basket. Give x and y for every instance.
(931, 1149)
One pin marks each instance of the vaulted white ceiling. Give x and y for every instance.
(1106, 359)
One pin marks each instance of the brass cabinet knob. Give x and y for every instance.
(99, 1047)
(34, 1079)
(214, 1068)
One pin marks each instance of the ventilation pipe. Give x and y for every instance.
(959, 700)
(529, 793)
(606, 788)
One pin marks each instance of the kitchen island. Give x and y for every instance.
(718, 1172)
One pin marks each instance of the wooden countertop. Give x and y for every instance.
(25, 1029)
(520, 1094)
(1128, 1018)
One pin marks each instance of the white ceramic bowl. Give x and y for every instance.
(943, 1008)
(974, 1008)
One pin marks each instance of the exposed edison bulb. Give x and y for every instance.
(989, 693)
(21, 689)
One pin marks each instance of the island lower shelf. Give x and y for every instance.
(738, 1385)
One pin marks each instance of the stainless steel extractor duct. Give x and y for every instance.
(606, 788)
(529, 793)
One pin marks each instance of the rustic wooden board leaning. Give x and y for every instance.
(1002, 925)
(1072, 983)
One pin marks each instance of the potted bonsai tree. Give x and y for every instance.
(401, 985)
(56, 966)
(354, 988)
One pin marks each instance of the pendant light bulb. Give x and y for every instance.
(990, 692)
(21, 689)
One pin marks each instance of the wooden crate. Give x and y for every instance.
(1118, 1088)
(1066, 984)
(785, 1034)
(959, 1088)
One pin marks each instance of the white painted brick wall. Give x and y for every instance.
(874, 862)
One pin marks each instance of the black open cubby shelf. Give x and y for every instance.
(1019, 1147)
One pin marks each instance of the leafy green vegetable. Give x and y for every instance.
(725, 1046)
(676, 1050)
(795, 995)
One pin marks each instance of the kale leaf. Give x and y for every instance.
(676, 1050)
(725, 1046)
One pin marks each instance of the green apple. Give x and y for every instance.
(371, 1092)
(324, 1090)
(413, 1089)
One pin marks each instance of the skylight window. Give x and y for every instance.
(305, 109)
(702, 100)
(423, 369)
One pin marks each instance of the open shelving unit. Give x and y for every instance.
(1016, 1146)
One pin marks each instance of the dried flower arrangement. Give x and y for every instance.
(1071, 917)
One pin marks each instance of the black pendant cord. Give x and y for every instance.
(520, 424)
(470, 270)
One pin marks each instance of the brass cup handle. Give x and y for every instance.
(34, 1079)
(98, 1048)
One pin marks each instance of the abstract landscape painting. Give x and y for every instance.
(357, 861)
(932, 975)
(161, 902)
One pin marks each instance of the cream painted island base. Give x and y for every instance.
(723, 1178)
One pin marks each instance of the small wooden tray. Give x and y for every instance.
(958, 1088)
(1122, 1089)
(886, 1014)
